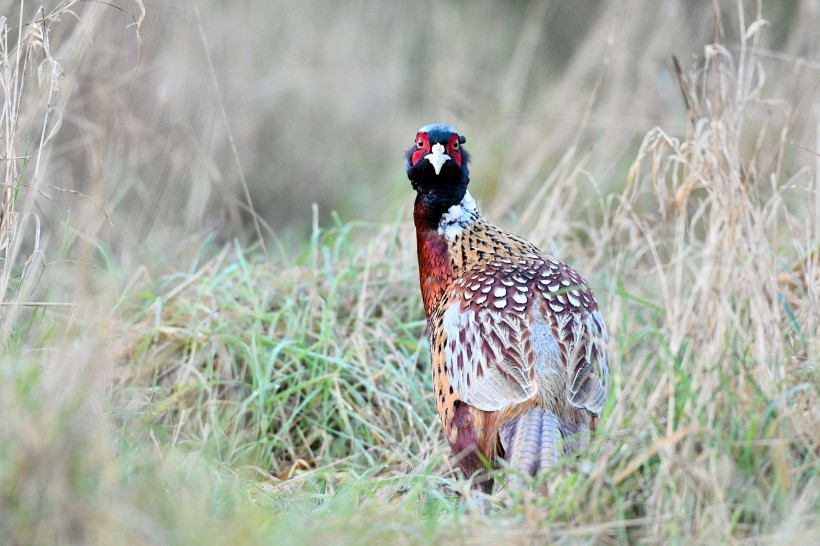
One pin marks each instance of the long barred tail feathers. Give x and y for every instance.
(533, 441)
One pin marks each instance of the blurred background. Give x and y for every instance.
(162, 125)
(154, 358)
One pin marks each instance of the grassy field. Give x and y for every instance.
(194, 352)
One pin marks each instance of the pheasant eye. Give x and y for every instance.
(420, 143)
(455, 144)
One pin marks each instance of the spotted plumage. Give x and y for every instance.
(518, 344)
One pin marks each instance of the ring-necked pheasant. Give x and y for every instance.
(518, 345)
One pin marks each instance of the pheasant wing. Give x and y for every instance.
(489, 361)
(511, 326)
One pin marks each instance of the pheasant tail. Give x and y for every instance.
(532, 442)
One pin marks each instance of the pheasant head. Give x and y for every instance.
(437, 168)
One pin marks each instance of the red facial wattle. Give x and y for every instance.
(453, 148)
(423, 150)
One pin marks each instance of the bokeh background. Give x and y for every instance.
(163, 125)
(209, 314)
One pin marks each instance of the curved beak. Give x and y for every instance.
(438, 158)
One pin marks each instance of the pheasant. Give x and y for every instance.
(519, 348)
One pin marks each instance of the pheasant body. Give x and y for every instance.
(518, 345)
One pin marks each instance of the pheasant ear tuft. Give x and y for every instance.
(462, 139)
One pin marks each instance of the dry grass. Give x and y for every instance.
(196, 391)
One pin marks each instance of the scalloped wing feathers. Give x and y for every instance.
(511, 325)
